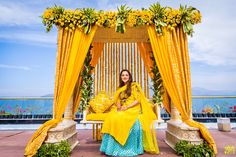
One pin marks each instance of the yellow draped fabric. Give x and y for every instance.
(72, 50)
(171, 55)
(96, 53)
(145, 49)
(166, 100)
(77, 96)
(116, 120)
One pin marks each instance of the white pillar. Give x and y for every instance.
(174, 113)
(68, 115)
(65, 130)
(158, 112)
(178, 130)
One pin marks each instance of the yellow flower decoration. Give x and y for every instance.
(172, 18)
(157, 15)
(47, 13)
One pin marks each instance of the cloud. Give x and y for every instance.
(17, 14)
(214, 81)
(214, 46)
(29, 36)
(213, 42)
(15, 67)
(112, 5)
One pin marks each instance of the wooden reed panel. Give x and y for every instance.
(145, 81)
(148, 87)
(138, 63)
(104, 64)
(140, 70)
(106, 69)
(103, 69)
(135, 63)
(129, 57)
(110, 68)
(114, 57)
(95, 80)
(123, 56)
(113, 65)
(117, 63)
(98, 75)
(132, 60)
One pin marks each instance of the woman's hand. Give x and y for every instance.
(118, 105)
(123, 108)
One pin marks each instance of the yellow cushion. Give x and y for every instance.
(101, 102)
(96, 116)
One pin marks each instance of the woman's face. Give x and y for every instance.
(125, 76)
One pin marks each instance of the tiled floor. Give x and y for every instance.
(8, 127)
(12, 143)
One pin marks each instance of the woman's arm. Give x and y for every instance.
(123, 108)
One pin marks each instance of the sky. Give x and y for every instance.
(28, 53)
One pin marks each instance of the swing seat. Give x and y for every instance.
(96, 119)
(96, 113)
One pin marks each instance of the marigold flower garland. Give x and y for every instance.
(85, 18)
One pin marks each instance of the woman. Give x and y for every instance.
(129, 130)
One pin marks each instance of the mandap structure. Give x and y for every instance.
(160, 30)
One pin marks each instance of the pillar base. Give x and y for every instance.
(66, 130)
(177, 131)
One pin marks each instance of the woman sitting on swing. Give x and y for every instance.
(129, 130)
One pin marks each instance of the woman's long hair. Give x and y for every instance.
(128, 90)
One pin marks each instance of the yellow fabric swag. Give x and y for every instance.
(72, 50)
(171, 54)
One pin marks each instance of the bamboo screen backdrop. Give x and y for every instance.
(114, 58)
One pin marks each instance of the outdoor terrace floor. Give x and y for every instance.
(13, 142)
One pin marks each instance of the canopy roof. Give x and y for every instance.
(132, 34)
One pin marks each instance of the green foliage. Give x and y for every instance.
(186, 18)
(187, 149)
(158, 14)
(158, 87)
(54, 150)
(121, 17)
(86, 87)
(90, 18)
(51, 15)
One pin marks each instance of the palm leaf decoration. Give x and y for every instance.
(121, 17)
(158, 14)
(186, 16)
(90, 19)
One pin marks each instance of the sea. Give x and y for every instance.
(44, 105)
